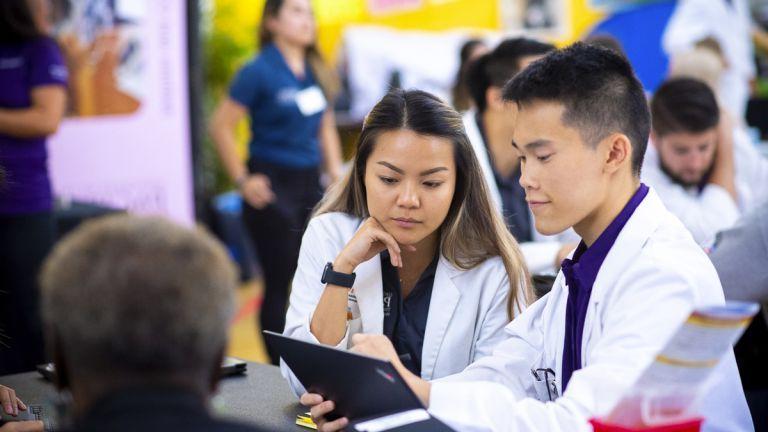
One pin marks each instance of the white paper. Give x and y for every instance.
(393, 421)
(666, 390)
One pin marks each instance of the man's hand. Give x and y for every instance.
(380, 346)
(723, 170)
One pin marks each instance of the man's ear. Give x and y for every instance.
(654, 139)
(619, 152)
(493, 98)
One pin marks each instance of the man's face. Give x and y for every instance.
(687, 157)
(563, 177)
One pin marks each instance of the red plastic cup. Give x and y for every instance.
(692, 425)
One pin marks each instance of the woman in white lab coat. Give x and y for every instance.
(408, 246)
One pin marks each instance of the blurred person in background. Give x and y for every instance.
(740, 255)
(706, 63)
(729, 23)
(286, 93)
(692, 162)
(470, 51)
(33, 81)
(136, 313)
(490, 127)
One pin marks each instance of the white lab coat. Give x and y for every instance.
(713, 209)
(651, 279)
(540, 254)
(730, 26)
(467, 310)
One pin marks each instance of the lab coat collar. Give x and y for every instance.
(371, 303)
(639, 228)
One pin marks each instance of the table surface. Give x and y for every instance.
(261, 396)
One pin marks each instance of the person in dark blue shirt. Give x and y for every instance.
(285, 92)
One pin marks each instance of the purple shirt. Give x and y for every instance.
(38, 62)
(580, 274)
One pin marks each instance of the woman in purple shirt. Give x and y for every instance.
(33, 81)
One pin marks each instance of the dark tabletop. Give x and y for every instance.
(261, 396)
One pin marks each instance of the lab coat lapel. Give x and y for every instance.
(370, 295)
(554, 317)
(628, 245)
(442, 305)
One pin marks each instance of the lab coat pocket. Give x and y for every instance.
(544, 380)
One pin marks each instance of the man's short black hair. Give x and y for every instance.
(598, 89)
(684, 105)
(500, 65)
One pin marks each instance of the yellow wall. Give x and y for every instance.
(582, 18)
(434, 15)
(240, 18)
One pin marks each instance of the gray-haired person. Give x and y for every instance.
(740, 256)
(136, 313)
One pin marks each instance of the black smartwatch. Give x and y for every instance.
(335, 278)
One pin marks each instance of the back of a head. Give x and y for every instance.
(465, 52)
(684, 105)
(598, 89)
(497, 67)
(138, 299)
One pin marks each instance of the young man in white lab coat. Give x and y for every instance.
(701, 173)
(628, 286)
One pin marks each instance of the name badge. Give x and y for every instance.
(311, 101)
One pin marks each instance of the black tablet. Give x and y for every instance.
(361, 386)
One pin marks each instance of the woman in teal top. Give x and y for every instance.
(286, 92)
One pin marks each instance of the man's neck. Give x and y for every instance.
(616, 198)
(499, 142)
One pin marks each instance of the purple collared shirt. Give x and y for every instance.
(580, 274)
(24, 66)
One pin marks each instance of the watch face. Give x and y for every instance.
(327, 268)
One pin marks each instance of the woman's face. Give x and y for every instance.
(41, 13)
(410, 180)
(294, 23)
